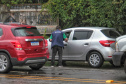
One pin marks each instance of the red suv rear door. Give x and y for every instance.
(30, 39)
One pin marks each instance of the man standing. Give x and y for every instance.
(57, 45)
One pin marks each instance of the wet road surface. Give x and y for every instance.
(64, 75)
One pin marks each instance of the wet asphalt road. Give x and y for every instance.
(64, 75)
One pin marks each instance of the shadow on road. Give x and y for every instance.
(81, 64)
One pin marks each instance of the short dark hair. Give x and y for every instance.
(58, 27)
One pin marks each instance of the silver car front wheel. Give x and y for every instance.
(5, 64)
(95, 59)
(125, 65)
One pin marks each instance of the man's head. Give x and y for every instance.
(58, 27)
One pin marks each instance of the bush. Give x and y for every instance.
(105, 13)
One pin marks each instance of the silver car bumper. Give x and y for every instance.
(116, 58)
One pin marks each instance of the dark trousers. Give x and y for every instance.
(56, 49)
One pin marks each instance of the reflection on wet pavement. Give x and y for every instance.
(28, 71)
(64, 75)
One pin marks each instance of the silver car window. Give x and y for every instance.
(110, 33)
(80, 35)
(67, 33)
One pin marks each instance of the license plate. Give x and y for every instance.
(34, 43)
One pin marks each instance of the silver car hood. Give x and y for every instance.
(118, 38)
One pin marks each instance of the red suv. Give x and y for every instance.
(21, 45)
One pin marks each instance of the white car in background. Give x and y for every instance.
(90, 44)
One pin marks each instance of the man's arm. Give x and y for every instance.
(64, 36)
(50, 39)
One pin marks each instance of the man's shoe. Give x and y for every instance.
(60, 66)
(52, 66)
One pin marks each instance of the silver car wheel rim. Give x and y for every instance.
(94, 59)
(3, 62)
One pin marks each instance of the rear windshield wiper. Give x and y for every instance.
(29, 34)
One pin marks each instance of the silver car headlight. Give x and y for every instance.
(117, 47)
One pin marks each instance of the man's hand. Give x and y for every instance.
(66, 39)
(50, 40)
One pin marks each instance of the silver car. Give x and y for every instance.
(90, 44)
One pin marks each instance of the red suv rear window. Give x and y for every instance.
(23, 31)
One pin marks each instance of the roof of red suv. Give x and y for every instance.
(14, 25)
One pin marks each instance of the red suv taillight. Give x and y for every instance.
(46, 44)
(106, 43)
(46, 47)
(16, 45)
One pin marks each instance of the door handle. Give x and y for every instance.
(65, 44)
(86, 44)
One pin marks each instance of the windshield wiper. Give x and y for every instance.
(29, 34)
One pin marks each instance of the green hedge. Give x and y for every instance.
(104, 13)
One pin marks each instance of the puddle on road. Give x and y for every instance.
(46, 71)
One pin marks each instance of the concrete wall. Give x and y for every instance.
(31, 14)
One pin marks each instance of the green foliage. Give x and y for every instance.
(11, 2)
(107, 13)
(44, 35)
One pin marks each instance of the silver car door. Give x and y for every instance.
(65, 50)
(79, 43)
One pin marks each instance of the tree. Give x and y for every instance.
(11, 2)
(107, 13)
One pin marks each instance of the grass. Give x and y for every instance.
(80, 64)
